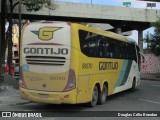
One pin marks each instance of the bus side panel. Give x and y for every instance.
(75, 51)
(122, 81)
(128, 72)
(110, 78)
(83, 89)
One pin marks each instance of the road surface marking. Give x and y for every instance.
(149, 101)
(2, 105)
(48, 118)
(155, 85)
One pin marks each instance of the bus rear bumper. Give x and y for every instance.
(49, 97)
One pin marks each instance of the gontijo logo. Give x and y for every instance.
(46, 33)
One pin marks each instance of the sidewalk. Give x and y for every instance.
(11, 96)
(9, 80)
(150, 76)
(9, 93)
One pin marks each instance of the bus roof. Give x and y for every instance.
(108, 34)
(105, 33)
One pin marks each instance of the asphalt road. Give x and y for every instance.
(145, 98)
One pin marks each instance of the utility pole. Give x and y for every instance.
(20, 21)
(2, 38)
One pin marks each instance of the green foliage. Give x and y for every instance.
(31, 5)
(154, 39)
(157, 25)
(35, 5)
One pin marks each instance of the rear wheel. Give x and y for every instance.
(103, 95)
(94, 99)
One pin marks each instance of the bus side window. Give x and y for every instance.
(135, 56)
(92, 47)
(139, 57)
(106, 48)
(123, 50)
(129, 52)
(120, 52)
(111, 49)
(102, 47)
(84, 48)
(117, 55)
(97, 47)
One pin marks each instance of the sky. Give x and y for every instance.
(134, 4)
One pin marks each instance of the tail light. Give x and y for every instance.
(71, 84)
(22, 84)
(21, 79)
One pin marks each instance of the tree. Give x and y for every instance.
(31, 5)
(2, 37)
(154, 39)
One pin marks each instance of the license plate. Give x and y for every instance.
(43, 95)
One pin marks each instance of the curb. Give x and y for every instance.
(152, 79)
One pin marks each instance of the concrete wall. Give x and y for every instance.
(151, 64)
(99, 11)
(15, 39)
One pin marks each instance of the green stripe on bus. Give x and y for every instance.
(126, 72)
(123, 76)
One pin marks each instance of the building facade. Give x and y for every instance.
(151, 63)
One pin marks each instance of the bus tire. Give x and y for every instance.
(102, 96)
(133, 84)
(94, 99)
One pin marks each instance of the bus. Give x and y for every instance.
(69, 63)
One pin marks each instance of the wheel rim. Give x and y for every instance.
(95, 95)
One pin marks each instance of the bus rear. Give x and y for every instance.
(45, 73)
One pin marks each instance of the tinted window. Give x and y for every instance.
(94, 45)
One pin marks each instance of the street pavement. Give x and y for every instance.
(145, 98)
(150, 76)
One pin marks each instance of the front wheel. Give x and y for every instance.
(94, 100)
(133, 85)
(103, 95)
